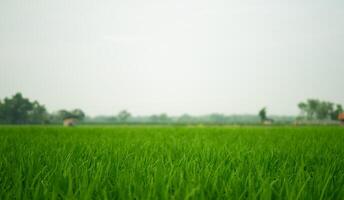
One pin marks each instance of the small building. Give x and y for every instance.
(268, 121)
(69, 122)
(341, 117)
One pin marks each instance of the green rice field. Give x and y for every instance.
(170, 162)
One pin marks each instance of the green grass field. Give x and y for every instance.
(172, 162)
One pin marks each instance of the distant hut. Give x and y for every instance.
(268, 121)
(341, 118)
(69, 122)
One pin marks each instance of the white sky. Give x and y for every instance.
(177, 56)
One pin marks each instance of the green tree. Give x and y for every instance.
(123, 116)
(16, 110)
(185, 118)
(63, 114)
(154, 118)
(303, 108)
(336, 112)
(323, 110)
(313, 105)
(217, 118)
(38, 114)
(262, 114)
(163, 118)
(316, 109)
(78, 114)
(2, 116)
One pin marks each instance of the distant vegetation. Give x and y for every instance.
(314, 109)
(65, 114)
(187, 119)
(20, 110)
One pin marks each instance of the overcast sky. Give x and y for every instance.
(177, 56)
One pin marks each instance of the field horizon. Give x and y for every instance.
(180, 100)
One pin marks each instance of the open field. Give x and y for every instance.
(149, 162)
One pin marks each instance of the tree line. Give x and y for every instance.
(314, 109)
(20, 110)
(163, 118)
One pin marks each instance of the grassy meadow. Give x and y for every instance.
(167, 162)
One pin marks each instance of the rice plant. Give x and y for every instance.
(156, 162)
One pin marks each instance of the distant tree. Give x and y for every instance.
(2, 116)
(20, 110)
(323, 110)
(38, 114)
(78, 114)
(163, 117)
(112, 119)
(313, 105)
(303, 108)
(16, 110)
(336, 112)
(185, 118)
(123, 115)
(316, 109)
(154, 118)
(63, 114)
(262, 114)
(217, 118)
